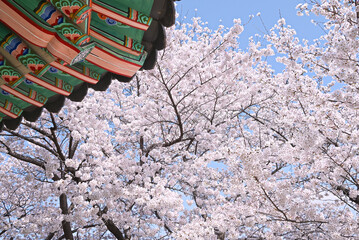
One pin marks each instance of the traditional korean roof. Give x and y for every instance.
(56, 49)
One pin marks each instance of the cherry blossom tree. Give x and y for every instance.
(211, 144)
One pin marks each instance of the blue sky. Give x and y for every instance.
(271, 10)
(223, 12)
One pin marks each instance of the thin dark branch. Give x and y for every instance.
(22, 157)
(39, 130)
(164, 224)
(75, 230)
(31, 141)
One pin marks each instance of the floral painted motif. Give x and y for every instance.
(28, 82)
(5, 93)
(46, 33)
(72, 33)
(32, 62)
(14, 45)
(9, 75)
(111, 22)
(49, 13)
(76, 10)
(53, 70)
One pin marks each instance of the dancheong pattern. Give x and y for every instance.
(51, 49)
(76, 10)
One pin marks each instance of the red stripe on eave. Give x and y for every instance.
(144, 26)
(55, 34)
(26, 17)
(8, 113)
(131, 63)
(24, 37)
(89, 23)
(66, 43)
(109, 70)
(44, 84)
(114, 44)
(69, 71)
(22, 96)
(18, 33)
